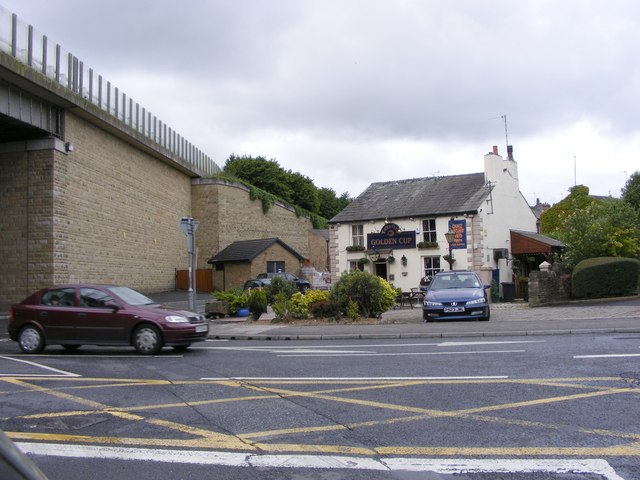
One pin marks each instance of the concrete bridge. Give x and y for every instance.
(92, 184)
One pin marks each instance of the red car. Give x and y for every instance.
(75, 315)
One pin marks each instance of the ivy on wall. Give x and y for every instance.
(267, 199)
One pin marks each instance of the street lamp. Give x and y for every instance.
(450, 237)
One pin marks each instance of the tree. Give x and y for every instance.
(291, 187)
(631, 191)
(552, 219)
(607, 228)
(330, 204)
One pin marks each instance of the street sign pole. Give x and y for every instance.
(189, 226)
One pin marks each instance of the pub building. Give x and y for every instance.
(405, 230)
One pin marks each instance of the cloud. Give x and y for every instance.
(351, 92)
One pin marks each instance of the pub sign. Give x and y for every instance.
(460, 229)
(391, 237)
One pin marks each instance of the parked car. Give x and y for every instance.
(88, 314)
(256, 283)
(455, 295)
(302, 284)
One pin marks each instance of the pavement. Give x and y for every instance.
(507, 319)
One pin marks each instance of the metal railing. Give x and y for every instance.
(33, 49)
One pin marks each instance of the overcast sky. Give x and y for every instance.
(350, 92)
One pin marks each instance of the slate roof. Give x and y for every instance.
(247, 250)
(417, 197)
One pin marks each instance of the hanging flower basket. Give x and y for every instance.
(391, 259)
(363, 261)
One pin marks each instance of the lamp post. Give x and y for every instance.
(450, 237)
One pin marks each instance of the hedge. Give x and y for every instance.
(605, 277)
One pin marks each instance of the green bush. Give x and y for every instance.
(605, 277)
(280, 285)
(257, 303)
(326, 309)
(236, 297)
(298, 306)
(372, 294)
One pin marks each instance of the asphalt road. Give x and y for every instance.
(516, 407)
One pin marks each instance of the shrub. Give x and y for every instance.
(280, 307)
(606, 277)
(257, 303)
(326, 309)
(372, 294)
(280, 285)
(299, 306)
(236, 297)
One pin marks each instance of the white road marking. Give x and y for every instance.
(334, 462)
(609, 355)
(385, 345)
(59, 373)
(460, 344)
(350, 379)
(364, 354)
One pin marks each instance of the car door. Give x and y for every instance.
(97, 321)
(56, 314)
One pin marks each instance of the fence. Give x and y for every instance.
(204, 280)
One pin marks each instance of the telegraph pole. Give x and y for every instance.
(189, 227)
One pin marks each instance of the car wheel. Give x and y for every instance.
(71, 348)
(181, 348)
(147, 340)
(31, 340)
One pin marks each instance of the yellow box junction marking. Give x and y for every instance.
(69, 389)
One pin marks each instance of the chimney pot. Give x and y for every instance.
(495, 150)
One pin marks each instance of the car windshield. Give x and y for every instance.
(130, 296)
(443, 282)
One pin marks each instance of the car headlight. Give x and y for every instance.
(431, 303)
(476, 301)
(176, 319)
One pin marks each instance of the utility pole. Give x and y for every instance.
(189, 227)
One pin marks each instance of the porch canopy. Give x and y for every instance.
(532, 243)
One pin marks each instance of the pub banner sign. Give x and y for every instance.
(391, 237)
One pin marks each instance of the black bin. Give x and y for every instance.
(508, 291)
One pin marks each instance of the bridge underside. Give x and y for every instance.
(23, 116)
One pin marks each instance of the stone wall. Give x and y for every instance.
(227, 214)
(106, 212)
(544, 287)
(117, 212)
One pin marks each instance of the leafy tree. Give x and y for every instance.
(330, 204)
(631, 191)
(552, 219)
(304, 192)
(291, 187)
(607, 228)
(262, 173)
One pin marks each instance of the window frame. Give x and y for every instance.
(357, 235)
(429, 230)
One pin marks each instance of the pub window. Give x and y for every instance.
(357, 235)
(275, 267)
(431, 266)
(355, 265)
(429, 230)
